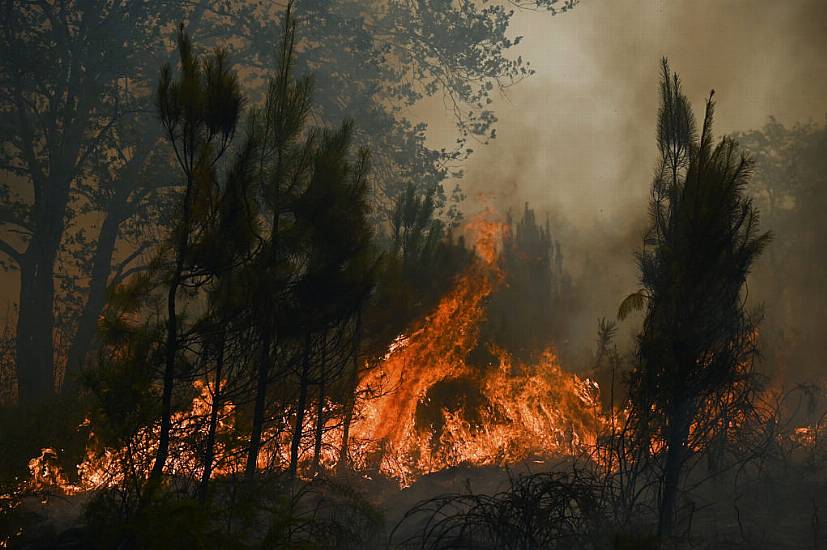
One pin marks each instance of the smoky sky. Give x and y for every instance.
(576, 139)
(580, 131)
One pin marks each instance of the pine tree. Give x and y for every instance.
(696, 346)
(333, 213)
(199, 112)
(285, 162)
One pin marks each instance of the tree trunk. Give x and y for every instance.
(95, 302)
(350, 403)
(295, 444)
(262, 377)
(320, 420)
(675, 457)
(36, 316)
(344, 456)
(34, 345)
(317, 444)
(35, 323)
(162, 453)
(169, 381)
(209, 453)
(263, 373)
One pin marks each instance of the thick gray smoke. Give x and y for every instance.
(576, 140)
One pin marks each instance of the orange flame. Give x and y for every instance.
(527, 410)
(530, 409)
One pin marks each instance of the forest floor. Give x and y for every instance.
(786, 510)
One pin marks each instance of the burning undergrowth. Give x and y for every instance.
(433, 407)
(440, 397)
(428, 404)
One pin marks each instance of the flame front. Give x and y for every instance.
(526, 410)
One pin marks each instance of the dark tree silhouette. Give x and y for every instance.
(199, 112)
(525, 309)
(697, 342)
(285, 164)
(338, 280)
(58, 120)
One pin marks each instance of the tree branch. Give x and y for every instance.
(120, 271)
(11, 252)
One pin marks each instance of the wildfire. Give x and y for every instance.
(525, 411)
(528, 409)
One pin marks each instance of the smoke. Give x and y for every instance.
(577, 141)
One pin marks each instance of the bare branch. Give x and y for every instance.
(10, 251)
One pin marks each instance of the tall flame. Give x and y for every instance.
(529, 409)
